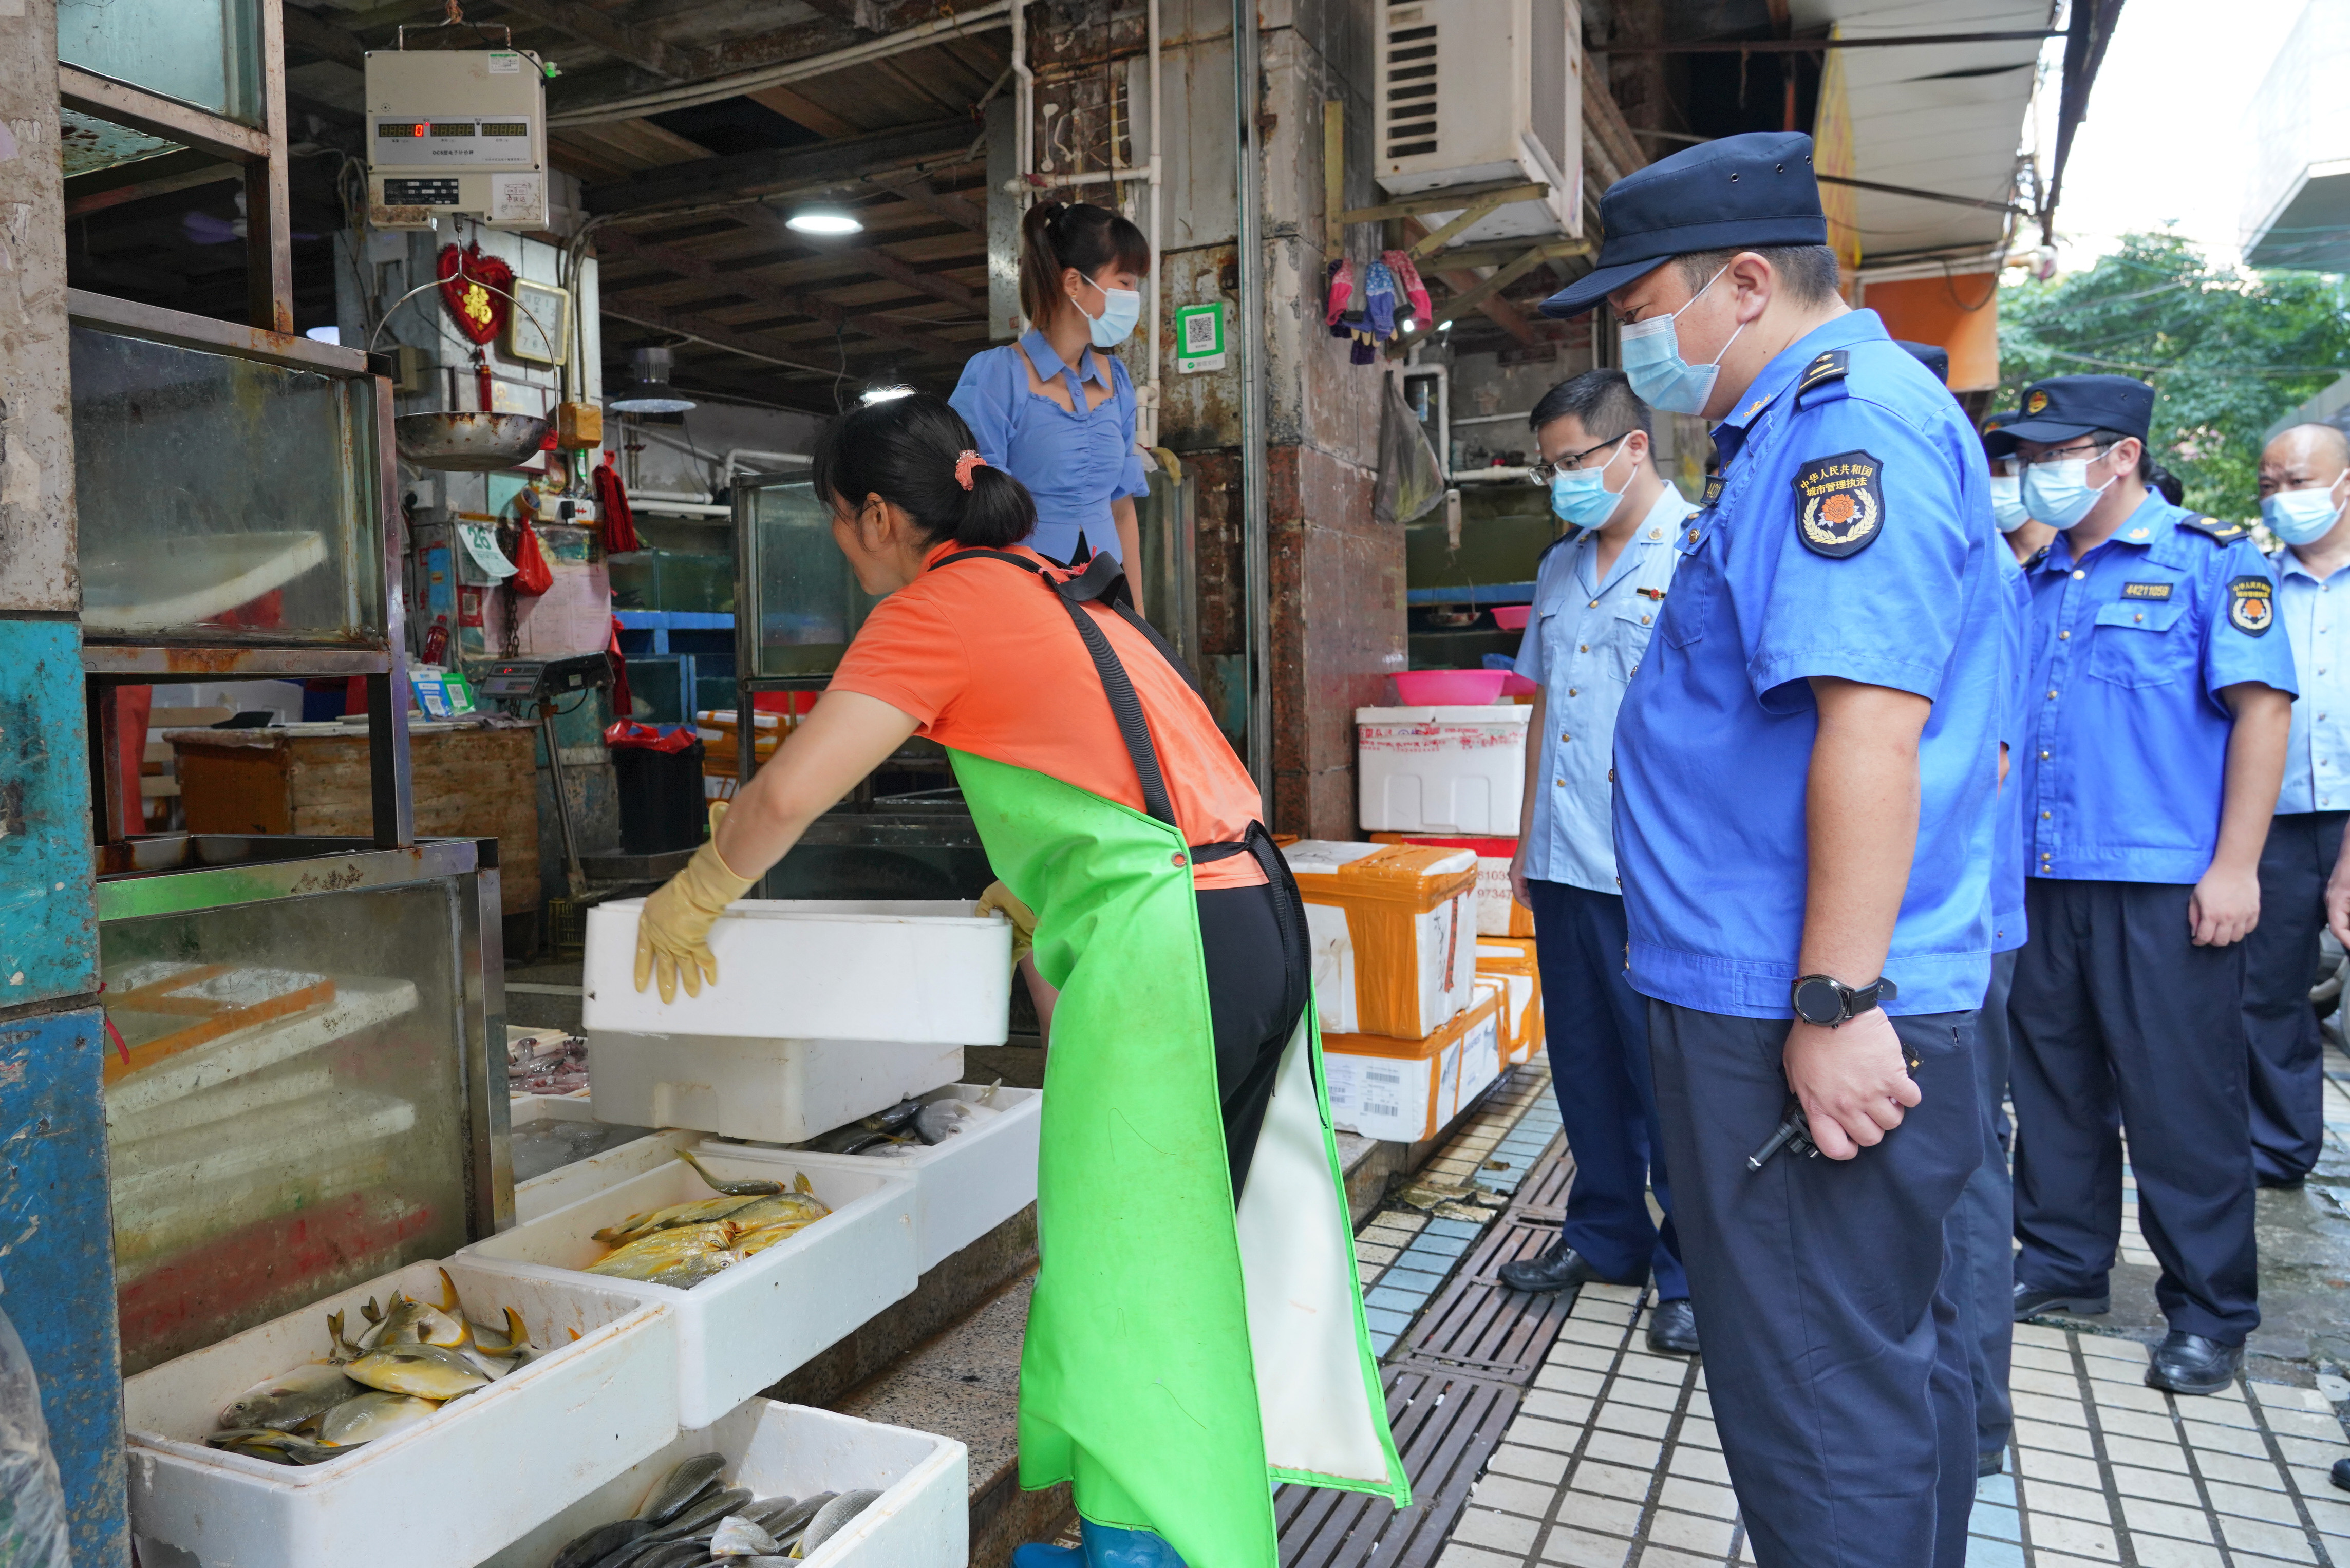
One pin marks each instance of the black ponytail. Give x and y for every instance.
(1055, 235)
(908, 451)
(2167, 484)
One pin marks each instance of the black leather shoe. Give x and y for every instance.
(2031, 1301)
(2191, 1363)
(1989, 1463)
(1672, 1328)
(1560, 1268)
(2342, 1474)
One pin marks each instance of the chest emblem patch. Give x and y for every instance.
(1712, 490)
(1840, 502)
(2252, 608)
(2146, 590)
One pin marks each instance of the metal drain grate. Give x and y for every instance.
(1489, 1329)
(1512, 1238)
(1447, 1424)
(1543, 1194)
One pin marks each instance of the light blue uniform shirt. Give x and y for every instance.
(2317, 758)
(1074, 464)
(1581, 648)
(2125, 768)
(1850, 535)
(2009, 929)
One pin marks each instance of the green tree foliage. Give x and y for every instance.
(2228, 351)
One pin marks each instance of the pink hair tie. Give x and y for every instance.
(964, 463)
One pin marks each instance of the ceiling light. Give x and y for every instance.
(823, 221)
(652, 394)
(1408, 323)
(884, 394)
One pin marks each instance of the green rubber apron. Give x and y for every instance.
(1182, 1358)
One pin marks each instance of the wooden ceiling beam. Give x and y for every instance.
(630, 45)
(946, 204)
(812, 167)
(766, 220)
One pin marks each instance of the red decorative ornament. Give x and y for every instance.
(478, 290)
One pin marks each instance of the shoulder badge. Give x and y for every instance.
(1713, 483)
(2251, 605)
(1830, 367)
(1840, 503)
(2218, 533)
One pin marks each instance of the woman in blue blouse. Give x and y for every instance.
(1052, 409)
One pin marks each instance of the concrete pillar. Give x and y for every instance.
(57, 1241)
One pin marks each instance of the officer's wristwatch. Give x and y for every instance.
(1827, 1002)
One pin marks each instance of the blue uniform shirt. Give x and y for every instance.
(1581, 648)
(1074, 464)
(2130, 646)
(2317, 758)
(1850, 535)
(2009, 929)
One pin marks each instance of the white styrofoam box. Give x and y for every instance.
(1406, 1091)
(524, 1109)
(1480, 1066)
(567, 1184)
(1442, 957)
(1499, 913)
(1442, 770)
(478, 1475)
(927, 972)
(1521, 1017)
(775, 1091)
(742, 1329)
(921, 1520)
(965, 1187)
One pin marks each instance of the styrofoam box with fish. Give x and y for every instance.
(921, 1520)
(480, 1473)
(743, 1328)
(567, 1184)
(965, 1186)
(1442, 770)
(825, 1011)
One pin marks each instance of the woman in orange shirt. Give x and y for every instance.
(1197, 1333)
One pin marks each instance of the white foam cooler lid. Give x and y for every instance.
(1326, 855)
(1494, 713)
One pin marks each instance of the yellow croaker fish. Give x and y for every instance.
(427, 1371)
(700, 1211)
(665, 1249)
(290, 1398)
(373, 1415)
(746, 1187)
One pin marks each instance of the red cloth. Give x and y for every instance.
(627, 734)
(612, 502)
(532, 574)
(624, 702)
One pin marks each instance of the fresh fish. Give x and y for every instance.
(787, 1526)
(801, 1207)
(373, 1415)
(497, 1367)
(700, 1211)
(449, 1302)
(428, 1371)
(739, 1537)
(343, 1349)
(830, 1519)
(702, 1516)
(276, 1448)
(667, 1554)
(371, 1312)
(663, 1250)
(939, 1121)
(767, 1511)
(505, 1342)
(987, 1096)
(391, 1323)
(759, 1240)
(896, 1117)
(285, 1401)
(681, 1487)
(600, 1543)
(743, 1188)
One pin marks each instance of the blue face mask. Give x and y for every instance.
(2007, 507)
(2059, 493)
(2301, 516)
(1652, 359)
(1121, 309)
(1581, 497)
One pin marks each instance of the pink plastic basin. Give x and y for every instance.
(1511, 617)
(1449, 688)
(1516, 685)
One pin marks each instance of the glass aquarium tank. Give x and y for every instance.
(805, 599)
(294, 1087)
(224, 499)
(204, 52)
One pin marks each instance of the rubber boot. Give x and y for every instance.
(1107, 1546)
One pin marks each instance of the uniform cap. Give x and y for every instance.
(1735, 194)
(2063, 407)
(1933, 356)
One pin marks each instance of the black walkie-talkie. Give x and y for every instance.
(1794, 1131)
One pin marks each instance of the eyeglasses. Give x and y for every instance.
(2059, 454)
(1544, 472)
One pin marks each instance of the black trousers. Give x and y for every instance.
(1833, 1349)
(2287, 1060)
(2121, 1020)
(1255, 1007)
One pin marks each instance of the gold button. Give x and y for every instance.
(2052, 696)
(1644, 620)
(1656, 533)
(1611, 776)
(1594, 603)
(2047, 814)
(1693, 535)
(1565, 736)
(2078, 576)
(1570, 690)
(2043, 756)
(1560, 783)
(2063, 636)
(1582, 648)
(2139, 617)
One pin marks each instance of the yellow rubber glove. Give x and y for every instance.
(674, 931)
(998, 900)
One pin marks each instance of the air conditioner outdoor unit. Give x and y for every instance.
(1473, 92)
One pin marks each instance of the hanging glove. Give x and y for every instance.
(1366, 350)
(674, 928)
(998, 900)
(1379, 300)
(612, 501)
(1341, 289)
(1406, 278)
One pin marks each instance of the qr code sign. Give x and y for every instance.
(1199, 333)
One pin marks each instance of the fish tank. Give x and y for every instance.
(299, 1096)
(798, 603)
(225, 496)
(204, 52)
